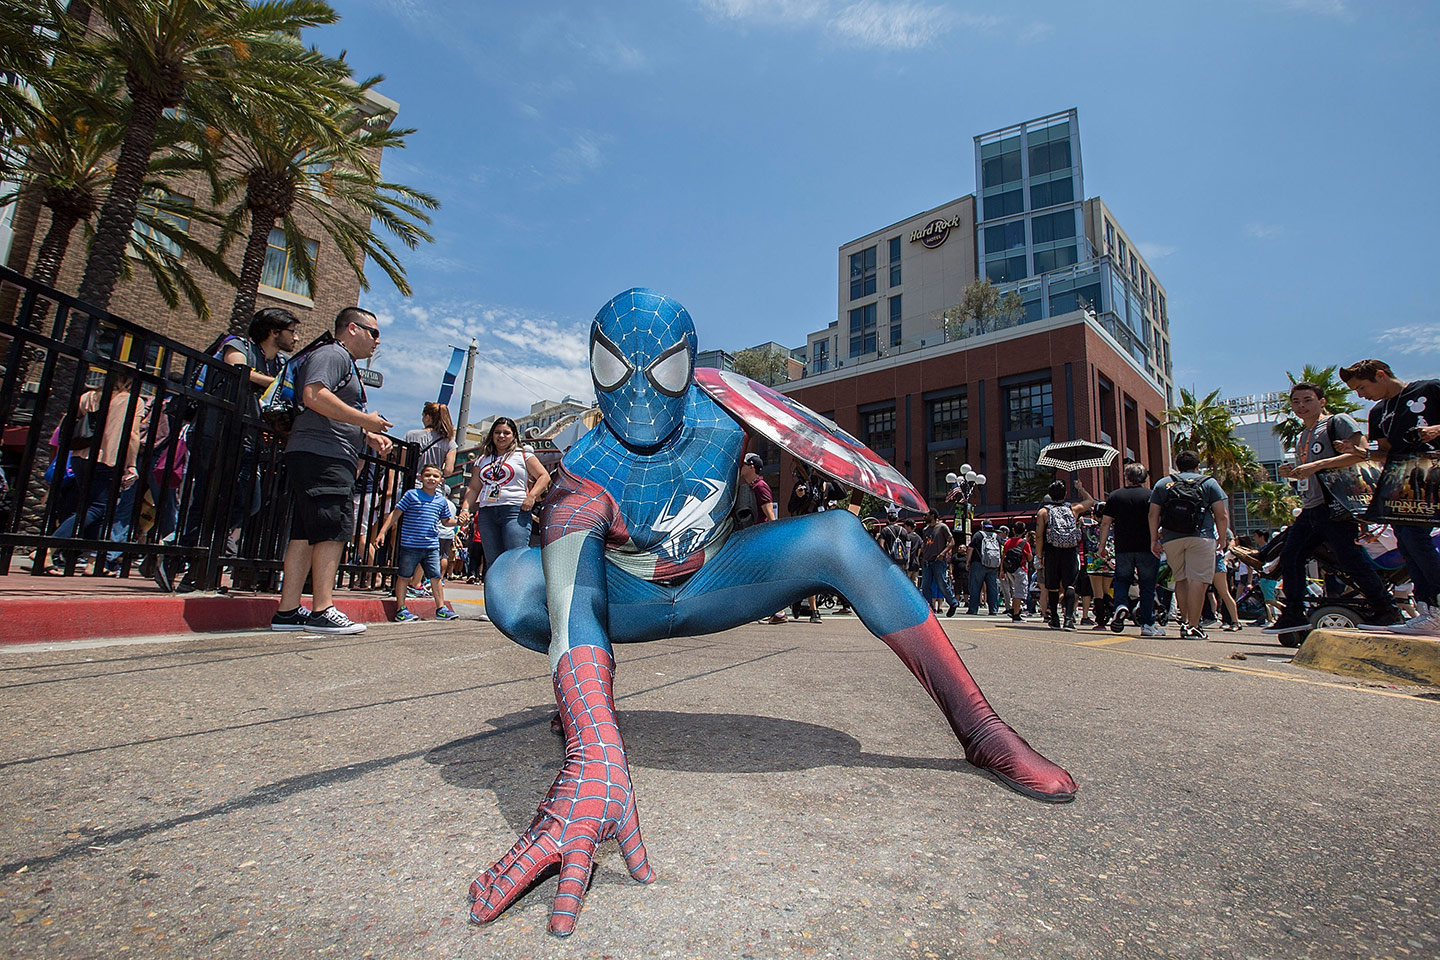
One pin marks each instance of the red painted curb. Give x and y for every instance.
(87, 618)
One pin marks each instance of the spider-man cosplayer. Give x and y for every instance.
(638, 544)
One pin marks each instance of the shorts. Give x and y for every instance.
(1019, 582)
(1191, 558)
(322, 491)
(427, 558)
(447, 548)
(1267, 589)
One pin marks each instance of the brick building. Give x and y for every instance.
(1085, 356)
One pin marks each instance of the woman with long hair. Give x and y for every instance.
(506, 481)
(436, 439)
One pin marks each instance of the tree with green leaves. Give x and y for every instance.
(1337, 397)
(763, 366)
(322, 166)
(202, 57)
(982, 309)
(30, 32)
(1272, 503)
(1207, 426)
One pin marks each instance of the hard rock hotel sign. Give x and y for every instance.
(935, 232)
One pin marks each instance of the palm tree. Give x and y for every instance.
(1273, 503)
(323, 164)
(1245, 472)
(1337, 396)
(199, 55)
(62, 155)
(29, 31)
(1206, 426)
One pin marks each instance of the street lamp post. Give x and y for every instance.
(962, 485)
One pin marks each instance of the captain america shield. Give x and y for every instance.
(808, 436)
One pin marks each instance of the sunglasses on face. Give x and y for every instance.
(373, 331)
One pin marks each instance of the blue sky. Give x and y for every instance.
(1276, 160)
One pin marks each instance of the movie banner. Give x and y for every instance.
(1408, 491)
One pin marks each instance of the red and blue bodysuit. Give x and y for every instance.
(638, 544)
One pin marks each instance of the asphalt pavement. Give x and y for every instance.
(283, 795)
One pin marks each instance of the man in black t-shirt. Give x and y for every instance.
(1401, 423)
(1127, 513)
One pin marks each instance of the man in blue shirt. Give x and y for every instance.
(1189, 524)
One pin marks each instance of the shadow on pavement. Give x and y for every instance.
(520, 767)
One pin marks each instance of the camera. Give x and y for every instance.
(1413, 437)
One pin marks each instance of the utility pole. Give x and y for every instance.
(461, 434)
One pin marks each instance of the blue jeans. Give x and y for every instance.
(934, 583)
(1146, 566)
(501, 529)
(427, 558)
(990, 577)
(1421, 560)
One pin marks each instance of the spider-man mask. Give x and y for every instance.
(642, 353)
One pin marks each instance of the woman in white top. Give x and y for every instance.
(505, 484)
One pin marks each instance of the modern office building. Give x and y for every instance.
(1256, 416)
(1082, 352)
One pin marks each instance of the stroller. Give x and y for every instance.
(1337, 604)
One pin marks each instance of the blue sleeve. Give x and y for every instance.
(1155, 491)
(408, 501)
(1214, 493)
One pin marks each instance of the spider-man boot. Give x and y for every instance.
(988, 741)
(590, 802)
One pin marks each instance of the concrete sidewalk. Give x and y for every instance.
(48, 609)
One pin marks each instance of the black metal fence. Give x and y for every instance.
(66, 502)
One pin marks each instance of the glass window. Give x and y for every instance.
(1121, 261)
(1002, 169)
(1000, 271)
(1083, 298)
(948, 418)
(894, 261)
(1052, 193)
(1029, 406)
(820, 360)
(1053, 226)
(1047, 260)
(895, 326)
(1049, 157)
(1109, 236)
(862, 273)
(1164, 317)
(1007, 236)
(878, 431)
(142, 234)
(1024, 481)
(862, 330)
(1004, 204)
(280, 272)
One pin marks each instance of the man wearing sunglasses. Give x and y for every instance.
(323, 457)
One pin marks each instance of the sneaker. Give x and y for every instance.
(1053, 622)
(814, 618)
(291, 620)
(1287, 623)
(413, 594)
(1151, 630)
(446, 613)
(160, 573)
(1231, 628)
(331, 620)
(953, 608)
(1381, 623)
(405, 616)
(1425, 625)
(1085, 620)
(1070, 624)
(1016, 618)
(1117, 622)
(1100, 625)
(775, 618)
(1188, 632)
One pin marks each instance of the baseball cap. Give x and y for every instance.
(754, 460)
(988, 525)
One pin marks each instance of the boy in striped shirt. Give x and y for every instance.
(423, 509)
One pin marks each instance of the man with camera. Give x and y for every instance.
(1327, 443)
(1400, 425)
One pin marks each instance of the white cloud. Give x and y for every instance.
(584, 154)
(1263, 231)
(892, 26)
(765, 11)
(1154, 251)
(520, 357)
(1415, 339)
(1035, 32)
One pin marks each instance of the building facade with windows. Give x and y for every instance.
(1085, 356)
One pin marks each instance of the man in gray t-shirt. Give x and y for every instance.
(1197, 501)
(1316, 460)
(323, 457)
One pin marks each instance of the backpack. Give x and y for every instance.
(1183, 506)
(1061, 530)
(900, 547)
(1014, 558)
(747, 509)
(990, 549)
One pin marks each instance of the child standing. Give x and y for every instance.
(423, 510)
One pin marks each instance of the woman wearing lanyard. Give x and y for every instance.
(505, 484)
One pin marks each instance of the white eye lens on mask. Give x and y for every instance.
(607, 366)
(670, 373)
